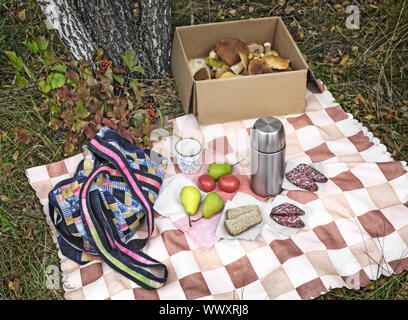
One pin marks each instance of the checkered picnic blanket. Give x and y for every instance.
(361, 233)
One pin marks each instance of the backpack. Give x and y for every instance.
(99, 209)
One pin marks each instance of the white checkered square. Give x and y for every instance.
(309, 137)
(214, 282)
(351, 231)
(369, 174)
(266, 254)
(171, 291)
(229, 250)
(308, 241)
(184, 263)
(344, 261)
(400, 187)
(341, 147)
(253, 291)
(392, 247)
(360, 201)
(212, 132)
(320, 118)
(96, 290)
(293, 266)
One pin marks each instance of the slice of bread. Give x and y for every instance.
(243, 222)
(236, 212)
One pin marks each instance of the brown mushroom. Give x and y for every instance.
(255, 47)
(257, 66)
(242, 65)
(228, 50)
(202, 74)
(276, 62)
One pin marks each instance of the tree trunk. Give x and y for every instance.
(113, 26)
(64, 21)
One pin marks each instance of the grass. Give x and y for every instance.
(365, 69)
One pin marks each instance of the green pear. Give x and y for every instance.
(216, 170)
(190, 197)
(213, 203)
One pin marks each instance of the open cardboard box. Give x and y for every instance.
(247, 97)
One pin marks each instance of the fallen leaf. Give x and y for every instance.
(369, 117)
(21, 15)
(4, 198)
(332, 28)
(390, 117)
(15, 155)
(343, 61)
(289, 9)
(232, 12)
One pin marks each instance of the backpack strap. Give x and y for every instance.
(120, 256)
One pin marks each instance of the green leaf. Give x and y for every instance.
(60, 67)
(44, 87)
(21, 81)
(134, 84)
(47, 58)
(130, 104)
(138, 118)
(91, 81)
(42, 43)
(131, 61)
(80, 110)
(119, 78)
(56, 80)
(32, 45)
(15, 60)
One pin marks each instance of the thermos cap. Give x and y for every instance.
(268, 135)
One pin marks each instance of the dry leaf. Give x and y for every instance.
(4, 198)
(15, 155)
(289, 9)
(232, 12)
(11, 286)
(369, 117)
(344, 60)
(390, 117)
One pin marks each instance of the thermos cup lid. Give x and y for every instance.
(268, 135)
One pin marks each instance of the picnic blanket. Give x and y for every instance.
(360, 233)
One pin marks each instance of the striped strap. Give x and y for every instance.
(125, 259)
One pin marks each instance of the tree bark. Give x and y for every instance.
(113, 26)
(70, 30)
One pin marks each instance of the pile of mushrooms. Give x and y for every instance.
(233, 58)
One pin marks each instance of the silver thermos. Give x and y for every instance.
(268, 144)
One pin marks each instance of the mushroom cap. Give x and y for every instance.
(228, 50)
(257, 66)
(202, 74)
(276, 62)
(244, 59)
(255, 47)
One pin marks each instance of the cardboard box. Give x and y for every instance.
(247, 97)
